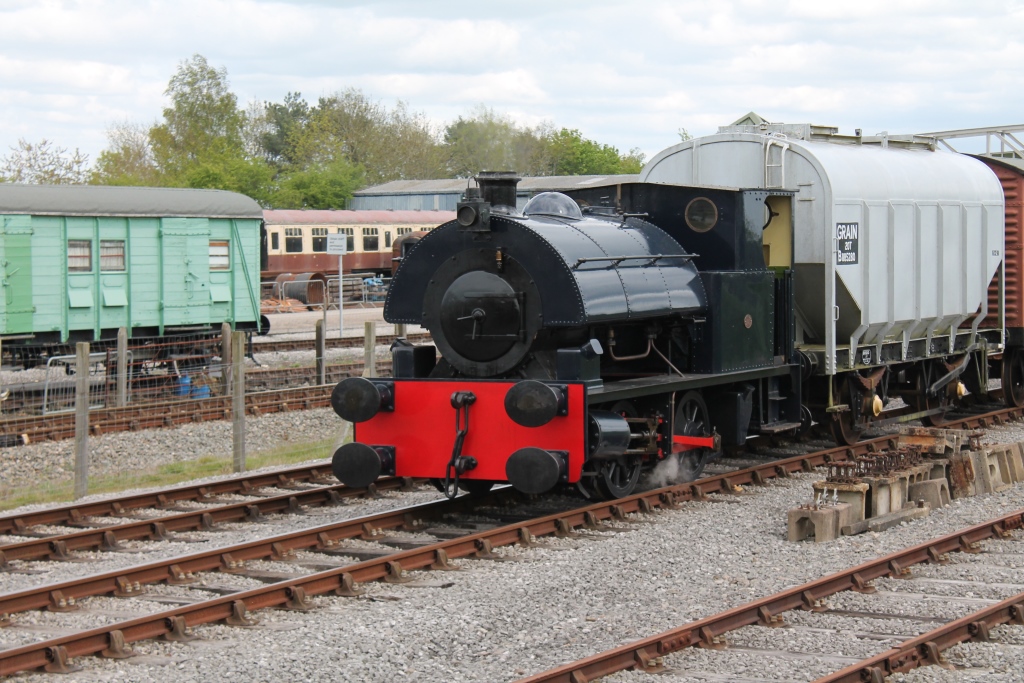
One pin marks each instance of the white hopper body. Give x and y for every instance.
(889, 244)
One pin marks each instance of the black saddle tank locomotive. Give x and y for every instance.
(581, 341)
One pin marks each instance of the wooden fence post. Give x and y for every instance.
(238, 400)
(122, 367)
(370, 349)
(321, 348)
(82, 419)
(225, 358)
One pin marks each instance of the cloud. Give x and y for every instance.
(627, 78)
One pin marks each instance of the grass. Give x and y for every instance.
(164, 475)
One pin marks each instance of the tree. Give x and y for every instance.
(389, 144)
(202, 141)
(486, 140)
(203, 113)
(321, 186)
(283, 123)
(44, 163)
(128, 158)
(572, 154)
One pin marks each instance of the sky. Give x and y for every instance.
(629, 74)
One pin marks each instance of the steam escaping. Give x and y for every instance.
(675, 469)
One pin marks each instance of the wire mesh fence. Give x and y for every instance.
(172, 412)
(183, 385)
(186, 416)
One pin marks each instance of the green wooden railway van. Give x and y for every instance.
(79, 262)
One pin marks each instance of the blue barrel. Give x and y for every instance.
(201, 391)
(184, 387)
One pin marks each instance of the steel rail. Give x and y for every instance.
(707, 632)
(57, 427)
(278, 345)
(65, 595)
(925, 649)
(318, 472)
(205, 519)
(667, 496)
(53, 654)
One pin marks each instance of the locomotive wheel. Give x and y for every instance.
(1013, 378)
(617, 478)
(692, 420)
(922, 401)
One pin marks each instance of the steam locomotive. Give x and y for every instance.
(578, 345)
(591, 337)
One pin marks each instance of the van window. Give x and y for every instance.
(79, 256)
(112, 255)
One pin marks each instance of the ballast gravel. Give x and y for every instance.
(570, 598)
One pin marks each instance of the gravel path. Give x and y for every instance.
(498, 621)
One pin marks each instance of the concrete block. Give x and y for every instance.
(994, 462)
(938, 468)
(1015, 462)
(934, 492)
(824, 523)
(1005, 464)
(891, 492)
(887, 521)
(855, 495)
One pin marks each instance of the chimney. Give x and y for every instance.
(498, 188)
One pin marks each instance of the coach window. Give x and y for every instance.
(371, 242)
(275, 240)
(319, 239)
(293, 240)
(350, 239)
(79, 256)
(387, 239)
(112, 255)
(220, 255)
(404, 231)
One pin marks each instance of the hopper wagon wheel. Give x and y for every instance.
(847, 428)
(611, 479)
(691, 419)
(922, 401)
(1013, 377)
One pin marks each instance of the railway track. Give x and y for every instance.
(161, 527)
(335, 576)
(23, 522)
(302, 487)
(25, 400)
(331, 343)
(649, 654)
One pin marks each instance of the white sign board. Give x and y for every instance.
(336, 244)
